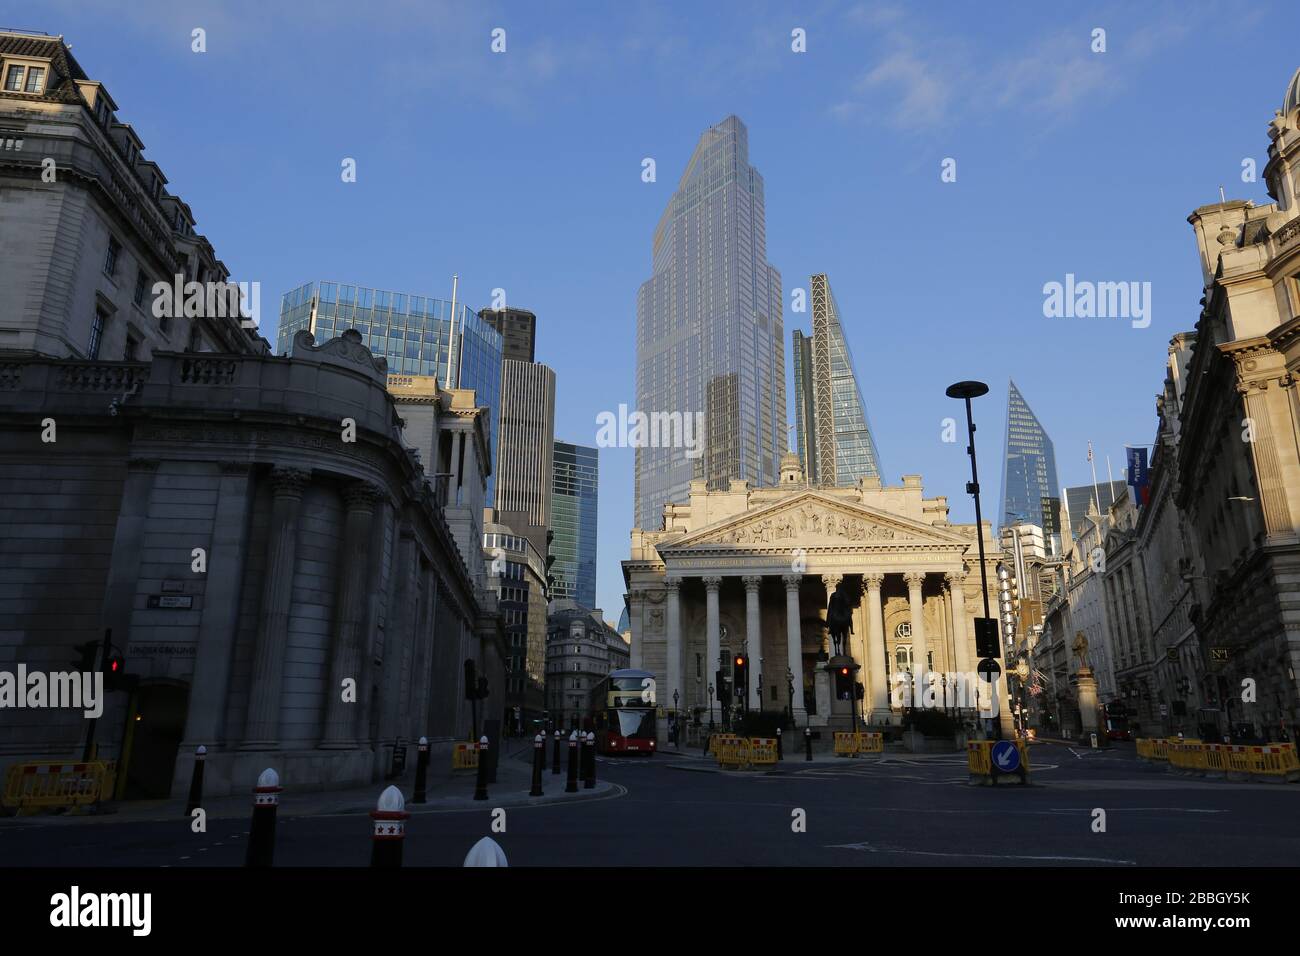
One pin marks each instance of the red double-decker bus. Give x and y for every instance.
(622, 713)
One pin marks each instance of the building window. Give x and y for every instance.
(196, 340)
(20, 78)
(96, 334)
(141, 283)
(14, 79)
(110, 259)
(132, 348)
(35, 79)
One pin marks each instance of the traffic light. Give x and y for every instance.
(740, 675)
(483, 690)
(114, 670)
(843, 683)
(471, 680)
(859, 691)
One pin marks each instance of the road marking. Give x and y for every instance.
(869, 848)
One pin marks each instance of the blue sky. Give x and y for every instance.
(521, 170)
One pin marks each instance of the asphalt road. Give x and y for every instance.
(892, 811)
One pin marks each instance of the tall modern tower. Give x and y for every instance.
(834, 435)
(710, 339)
(575, 475)
(1029, 485)
(525, 449)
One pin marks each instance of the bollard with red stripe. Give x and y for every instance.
(480, 784)
(555, 766)
(539, 760)
(196, 781)
(589, 782)
(572, 785)
(421, 772)
(389, 831)
(261, 838)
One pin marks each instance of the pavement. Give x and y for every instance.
(1092, 808)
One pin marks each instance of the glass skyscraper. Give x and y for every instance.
(710, 340)
(575, 472)
(833, 432)
(418, 335)
(1028, 468)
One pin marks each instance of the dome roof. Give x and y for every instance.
(1291, 102)
(790, 462)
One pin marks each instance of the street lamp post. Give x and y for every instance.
(710, 708)
(789, 686)
(966, 391)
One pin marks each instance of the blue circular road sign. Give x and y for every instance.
(1005, 756)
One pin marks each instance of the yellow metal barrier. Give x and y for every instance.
(1275, 760)
(871, 743)
(762, 750)
(1153, 748)
(464, 756)
(733, 752)
(716, 740)
(977, 756)
(1189, 755)
(846, 744)
(44, 784)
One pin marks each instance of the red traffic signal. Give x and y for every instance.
(740, 661)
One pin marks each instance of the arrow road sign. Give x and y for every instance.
(1005, 756)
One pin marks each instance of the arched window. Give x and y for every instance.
(903, 657)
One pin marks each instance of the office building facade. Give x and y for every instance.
(525, 450)
(518, 328)
(575, 475)
(83, 252)
(1028, 467)
(415, 334)
(833, 433)
(710, 339)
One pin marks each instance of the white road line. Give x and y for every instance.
(868, 848)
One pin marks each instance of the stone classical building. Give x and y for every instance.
(269, 557)
(86, 239)
(751, 570)
(517, 575)
(581, 649)
(1239, 463)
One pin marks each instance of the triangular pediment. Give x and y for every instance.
(810, 519)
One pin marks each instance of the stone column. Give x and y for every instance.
(794, 649)
(876, 647)
(713, 649)
(830, 582)
(636, 613)
(960, 627)
(262, 727)
(221, 598)
(673, 667)
(915, 579)
(753, 637)
(340, 730)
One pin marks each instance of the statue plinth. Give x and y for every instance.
(1086, 692)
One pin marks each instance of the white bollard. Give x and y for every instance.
(486, 852)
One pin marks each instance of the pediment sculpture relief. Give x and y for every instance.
(804, 521)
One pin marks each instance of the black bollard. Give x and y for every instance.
(422, 772)
(572, 785)
(261, 835)
(480, 782)
(807, 744)
(196, 781)
(389, 832)
(589, 781)
(779, 754)
(539, 759)
(555, 766)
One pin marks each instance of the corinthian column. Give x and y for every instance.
(915, 579)
(793, 642)
(673, 586)
(876, 646)
(714, 648)
(262, 727)
(349, 617)
(960, 633)
(753, 637)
